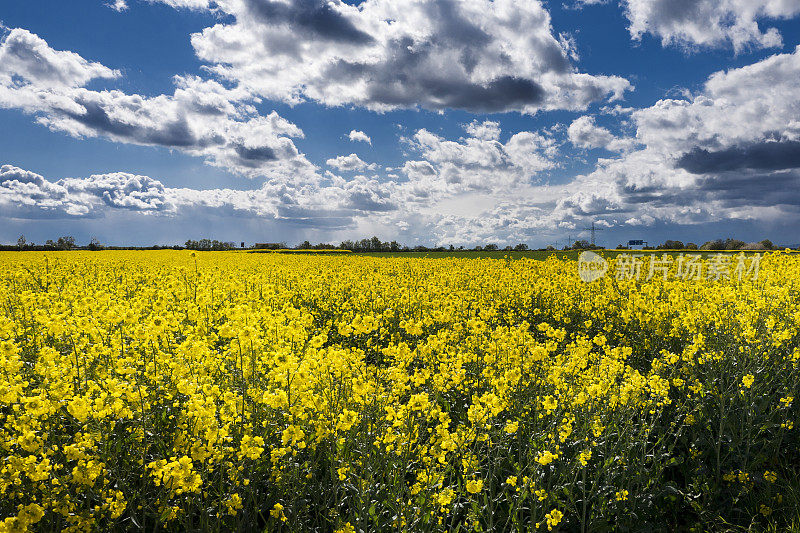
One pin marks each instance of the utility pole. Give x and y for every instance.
(569, 241)
(593, 229)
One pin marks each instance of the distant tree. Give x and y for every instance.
(581, 245)
(717, 244)
(66, 242)
(521, 247)
(305, 245)
(21, 242)
(208, 245)
(691, 246)
(767, 244)
(734, 244)
(490, 247)
(94, 244)
(550, 248)
(671, 245)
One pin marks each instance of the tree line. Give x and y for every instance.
(375, 244)
(715, 245)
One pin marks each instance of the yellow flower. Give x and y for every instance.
(474, 486)
(553, 518)
(748, 380)
(584, 457)
(622, 495)
(79, 408)
(346, 528)
(277, 512)
(546, 457)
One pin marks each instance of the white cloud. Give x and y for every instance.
(27, 56)
(356, 135)
(350, 163)
(730, 152)
(585, 133)
(119, 5)
(710, 23)
(481, 55)
(185, 4)
(26, 194)
(487, 130)
(477, 162)
(202, 117)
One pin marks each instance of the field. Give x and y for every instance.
(182, 391)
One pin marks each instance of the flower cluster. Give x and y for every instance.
(234, 391)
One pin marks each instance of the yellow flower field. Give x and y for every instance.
(250, 392)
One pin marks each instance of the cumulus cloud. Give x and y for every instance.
(732, 151)
(585, 133)
(478, 161)
(185, 4)
(709, 23)
(729, 152)
(27, 58)
(25, 194)
(356, 135)
(487, 130)
(118, 5)
(350, 163)
(202, 117)
(483, 55)
(340, 203)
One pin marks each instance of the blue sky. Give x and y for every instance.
(422, 121)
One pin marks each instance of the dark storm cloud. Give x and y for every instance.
(364, 201)
(264, 153)
(760, 156)
(477, 55)
(401, 81)
(751, 188)
(315, 17)
(734, 189)
(175, 133)
(441, 93)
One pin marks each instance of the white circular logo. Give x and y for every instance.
(591, 266)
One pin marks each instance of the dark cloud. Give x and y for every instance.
(693, 23)
(385, 54)
(753, 188)
(442, 93)
(402, 81)
(364, 201)
(760, 156)
(176, 133)
(263, 153)
(315, 17)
